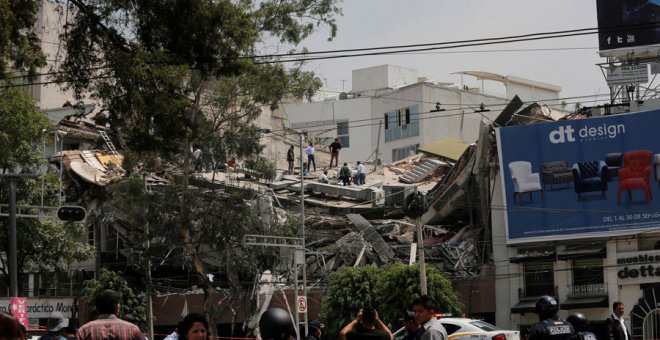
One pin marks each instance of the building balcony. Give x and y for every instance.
(590, 290)
(585, 296)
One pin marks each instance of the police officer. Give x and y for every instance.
(276, 324)
(579, 323)
(550, 326)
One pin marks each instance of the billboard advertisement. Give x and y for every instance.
(628, 23)
(581, 178)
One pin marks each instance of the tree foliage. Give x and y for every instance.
(42, 245)
(389, 289)
(19, 43)
(157, 65)
(182, 74)
(21, 131)
(130, 302)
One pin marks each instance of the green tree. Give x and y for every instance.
(19, 43)
(389, 289)
(131, 303)
(43, 245)
(401, 282)
(179, 74)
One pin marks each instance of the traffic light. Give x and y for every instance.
(71, 213)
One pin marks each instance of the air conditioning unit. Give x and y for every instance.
(377, 197)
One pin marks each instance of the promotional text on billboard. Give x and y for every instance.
(581, 178)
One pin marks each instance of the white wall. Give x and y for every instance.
(459, 121)
(51, 20)
(382, 77)
(321, 120)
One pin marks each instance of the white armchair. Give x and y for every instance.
(524, 180)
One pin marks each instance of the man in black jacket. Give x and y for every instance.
(616, 326)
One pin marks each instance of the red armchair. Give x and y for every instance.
(636, 174)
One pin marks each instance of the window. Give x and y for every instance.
(587, 271)
(401, 153)
(402, 123)
(588, 277)
(342, 134)
(539, 279)
(90, 234)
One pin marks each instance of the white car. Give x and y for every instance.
(470, 329)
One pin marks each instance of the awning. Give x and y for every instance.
(445, 147)
(523, 307)
(590, 302)
(533, 256)
(598, 253)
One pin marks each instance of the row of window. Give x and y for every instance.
(587, 274)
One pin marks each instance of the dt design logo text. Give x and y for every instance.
(567, 134)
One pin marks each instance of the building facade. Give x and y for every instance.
(391, 112)
(588, 246)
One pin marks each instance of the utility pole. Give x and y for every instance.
(302, 232)
(422, 263)
(150, 316)
(13, 252)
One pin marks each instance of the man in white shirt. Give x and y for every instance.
(310, 156)
(616, 325)
(431, 328)
(361, 174)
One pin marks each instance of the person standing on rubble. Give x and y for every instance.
(290, 158)
(334, 151)
(361, 174)
(310, 156)
(197, 158)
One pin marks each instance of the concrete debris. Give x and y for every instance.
(340, 242)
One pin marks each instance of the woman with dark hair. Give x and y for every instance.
(10, 329)
(193, 327)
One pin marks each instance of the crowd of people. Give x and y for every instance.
(420, 323)
(345, 176)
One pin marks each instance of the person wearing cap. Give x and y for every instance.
(56, 325)
(315, 329)
(410, 325)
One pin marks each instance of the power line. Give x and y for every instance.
(530, 36)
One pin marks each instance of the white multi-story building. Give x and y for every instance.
(390, 112)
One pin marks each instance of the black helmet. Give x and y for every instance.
(276, 324)
(546, 304)
(578, 320)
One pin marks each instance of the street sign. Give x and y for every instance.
(624, 75)
(302, 304)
